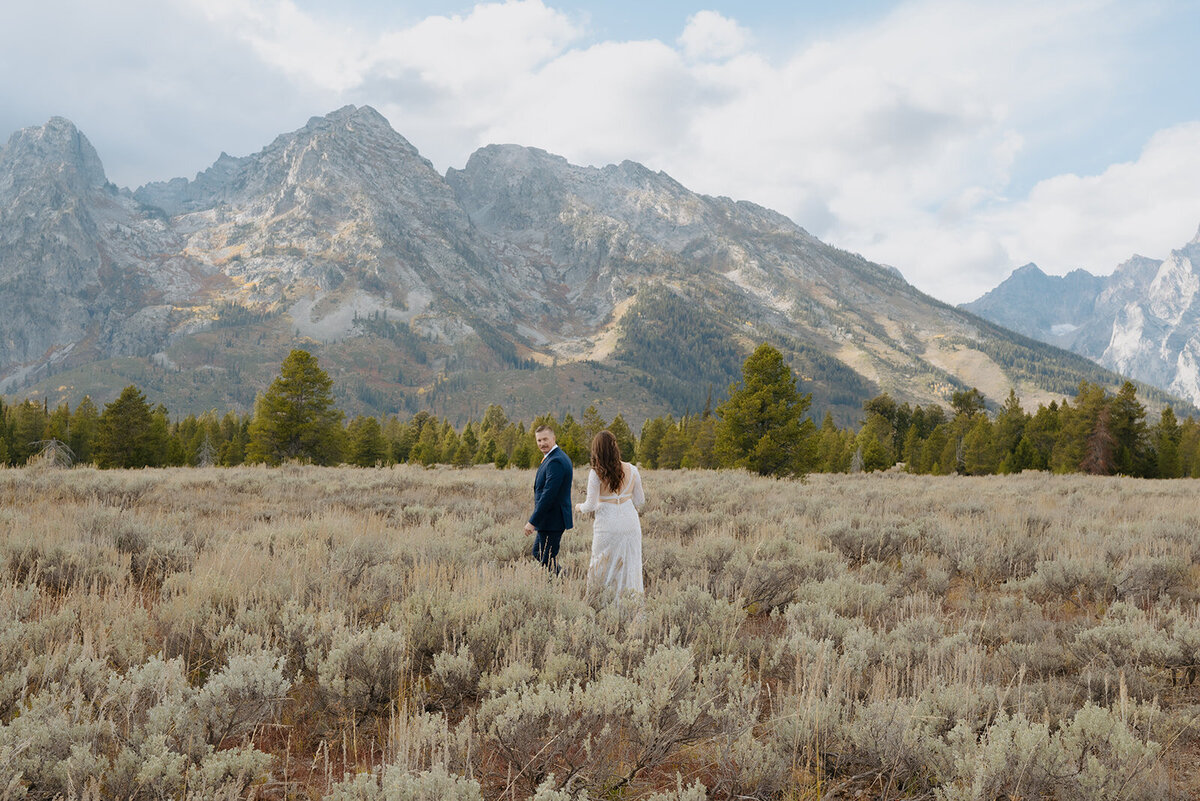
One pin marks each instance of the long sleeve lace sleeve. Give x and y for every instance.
(639, 497)
(593, 493)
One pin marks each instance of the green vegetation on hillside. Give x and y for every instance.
(686, 356)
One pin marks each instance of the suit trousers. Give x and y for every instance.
(545, 549)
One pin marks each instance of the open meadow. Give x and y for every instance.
(348, 633)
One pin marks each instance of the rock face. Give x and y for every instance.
(419, 290)
(78, 258)
(1142, 321)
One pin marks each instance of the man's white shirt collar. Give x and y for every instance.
(546, 455)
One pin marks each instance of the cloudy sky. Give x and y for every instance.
(953, 139)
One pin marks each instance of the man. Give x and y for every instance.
(551, 499)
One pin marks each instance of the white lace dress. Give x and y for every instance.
(616, 565)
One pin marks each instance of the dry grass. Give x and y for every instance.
(270, 633)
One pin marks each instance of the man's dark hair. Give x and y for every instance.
(544, 427)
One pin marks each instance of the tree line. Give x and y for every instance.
(763, 427)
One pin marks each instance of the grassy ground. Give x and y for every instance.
(272, 633)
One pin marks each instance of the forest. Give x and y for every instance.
(1095, 432)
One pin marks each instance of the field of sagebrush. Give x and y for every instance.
(366, 634)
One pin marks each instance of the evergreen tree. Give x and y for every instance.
(296, 417)
(763, 427)
(1041, 432)
(1010, 426)
(875, 442)
(967, 403)
(934, 452)
(160, 439)
(1127, 423)
(84, 422)
(830, 447)
(1099, 454)
(1167, 435)
(1078, 424)
(671, 448)
(652, 434)
(1189, 448)
(448, 446)
(494, 420)
(592, 424)
(911, 453)
(700, 453)
(124, 436)
(28, 429)
(366, 446)
(234, 435)
(525, 454)
(403, 437)
(625, 439)
(58, 425)
(574, 443)
(978, 453)
(427, 450)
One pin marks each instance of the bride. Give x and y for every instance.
(614, 492)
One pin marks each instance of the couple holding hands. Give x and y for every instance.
(614, 492)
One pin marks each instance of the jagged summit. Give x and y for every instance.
(1143, 320)
(1029, 270)
(57, 151)
(350, 145)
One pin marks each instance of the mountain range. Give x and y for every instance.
(1143, 320)
(521, 279)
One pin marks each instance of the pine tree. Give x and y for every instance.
(494, 420)
(84, 422)
(763, 427)
(28, 428)
(364, 441)
(978, 452)
(625, 439)
(671, 448)
(1099, 455)
(1167, 437)
(700, 452)
(652, 435)
(1127, 422)
(592, 424)
(875, 441)
(427, 450)
(296, 417)
(124, 436)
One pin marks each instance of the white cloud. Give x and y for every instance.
(897, 138)
(1097, 221)
(711, 36)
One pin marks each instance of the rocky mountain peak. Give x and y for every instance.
(339, 235)
(55, 153)
(1027, 272)
(1141, 320)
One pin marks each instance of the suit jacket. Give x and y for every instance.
(552, 493)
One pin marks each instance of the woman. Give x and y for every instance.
(614, 492)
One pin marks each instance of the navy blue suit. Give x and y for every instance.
(551, 505)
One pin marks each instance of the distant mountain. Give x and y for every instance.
(521, 279)
(1142, 321)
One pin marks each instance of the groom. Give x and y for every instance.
(551, 499)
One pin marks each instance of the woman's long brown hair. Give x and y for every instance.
(606, 460)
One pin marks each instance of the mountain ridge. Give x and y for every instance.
(512, 280)
(1143, 320)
